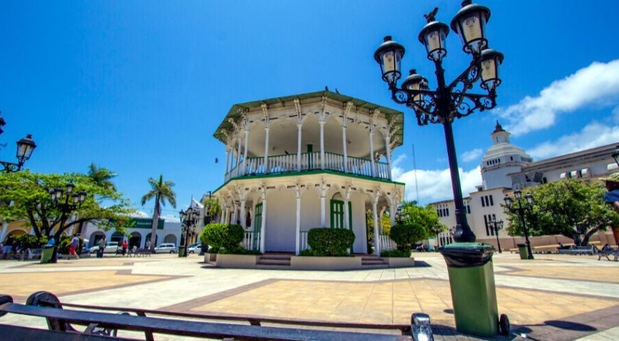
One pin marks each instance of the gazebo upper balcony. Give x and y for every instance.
(309, 161)
(307, 132)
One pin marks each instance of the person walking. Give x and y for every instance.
(74, 244)
(6, 249)
(101, 247)
(125, 246)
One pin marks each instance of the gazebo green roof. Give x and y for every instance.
(237, 110)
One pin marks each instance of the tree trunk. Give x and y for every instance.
(153, 232)
(588, 235)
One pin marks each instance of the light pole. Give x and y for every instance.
(469, 264)
(498, 226)
(448, 101)
(521, 209)
(72, 201)
(189, 218)
(25, 147)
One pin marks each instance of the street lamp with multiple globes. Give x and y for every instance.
(449, 100)
(497, 225)
(189, 218)
(72, 201)
(522, 208)
(25, 147)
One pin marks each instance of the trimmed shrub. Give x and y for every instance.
(219, 236)
(237, 250)
(29, 241)
(396, 253)
(330, 242)
(406, 235)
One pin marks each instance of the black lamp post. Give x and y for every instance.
(72, 201)
(189, 218)
(25, 147)
(522, 208)
(497, 226)
(448, 101)
(616, 155)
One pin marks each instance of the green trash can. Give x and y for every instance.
(522, 249)
(46, 254)
(473, 292)
(181, 251)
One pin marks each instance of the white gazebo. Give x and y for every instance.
(318, 159)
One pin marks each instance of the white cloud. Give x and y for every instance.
(592, 135)
(596, 84)
(142, 214)
(170, 218)
(615, 113)
(471, 155)
(435, 185)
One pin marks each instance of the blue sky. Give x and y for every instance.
(140, 86)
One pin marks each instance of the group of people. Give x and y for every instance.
(9, 248)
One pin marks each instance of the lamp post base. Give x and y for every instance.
(473, 293)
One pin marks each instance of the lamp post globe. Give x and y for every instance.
(490, 61)
(389, 56)
(470, 24)
(25, 147)
(432, 36)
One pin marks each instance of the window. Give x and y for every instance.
(491, 201)
(468, 209)
(446, 212)
(486, 224)
(483, 203)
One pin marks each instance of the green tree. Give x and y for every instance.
(573, 208)
(426, 217)
(161, 192)
(101, 176)
(29, 194)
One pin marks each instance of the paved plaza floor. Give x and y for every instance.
(555, 297)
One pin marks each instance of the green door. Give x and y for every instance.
(257, 226)
(337, 215)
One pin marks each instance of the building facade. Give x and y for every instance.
(311, 160)
(505, 168)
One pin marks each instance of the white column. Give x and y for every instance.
(322, 144)
(346, 215)
(299, 126)
(243, 220)
(264, 224)
(297, 246)
(344, 148)
(388, 147)
(376, 236)
(323, 211)
(235, 214)
(372, 151)
(392, 209)
(227, 159)
(245, 152)
(238, 152)
(266, 149)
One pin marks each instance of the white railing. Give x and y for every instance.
(278, 164)
(251, 240)
(386, 243)
(304, 244)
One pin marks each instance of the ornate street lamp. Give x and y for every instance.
(444, 104)
(25, 147)
(497, 225)
(188, 218)
(521, 208)
(448, 101)
(71, 202)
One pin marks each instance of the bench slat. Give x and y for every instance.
(18, 333)
(191, 328)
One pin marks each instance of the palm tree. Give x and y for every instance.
(161, 191)
(101, 176)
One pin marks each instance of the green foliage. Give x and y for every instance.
(218, 236)
(411, 213)
(213, 207)
(573, 208)
(396, 253)
(406, 235)
(330, 242)
(29, 194)
(161, 192)
(30, 241)
(237, 250)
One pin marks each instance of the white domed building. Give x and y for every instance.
(298, 162)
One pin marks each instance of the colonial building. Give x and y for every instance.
(504, 168)
(298, 162)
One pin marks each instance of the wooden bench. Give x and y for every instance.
(104, 325)
(579, 250)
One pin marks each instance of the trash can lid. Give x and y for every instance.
(463, 255)
(521, 245)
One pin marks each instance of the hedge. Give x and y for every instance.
(329, 242)
(396, 253)
(218, 236)
(406, 235)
